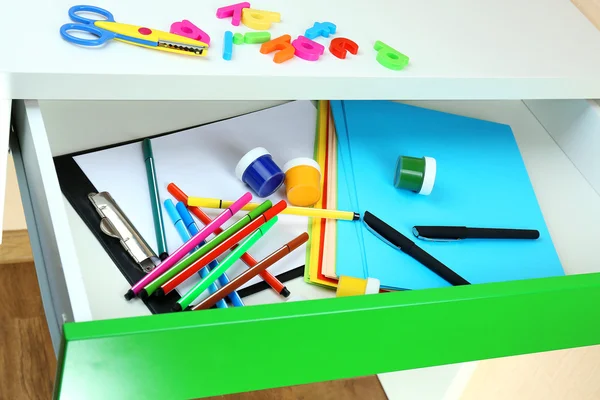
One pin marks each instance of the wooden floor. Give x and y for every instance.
(27, 361)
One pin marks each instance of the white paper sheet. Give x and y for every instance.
(201, 161)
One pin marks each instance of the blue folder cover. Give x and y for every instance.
(481, 182)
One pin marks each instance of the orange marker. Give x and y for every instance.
(283, 45)
(252, 272)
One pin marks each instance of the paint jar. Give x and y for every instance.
(302, 181)
(258, 170)
(415, 174)
(350, 286)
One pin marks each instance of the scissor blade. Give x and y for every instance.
(198, 50)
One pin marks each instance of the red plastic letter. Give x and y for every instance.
(339, 46)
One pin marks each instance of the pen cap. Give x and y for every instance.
(184, 213)
(415, 174)
(258, 170)
(264, 206)
(147, 149)
(302, 181)
(264, 228)
(171, 210)
(240, 203)
(351, 286)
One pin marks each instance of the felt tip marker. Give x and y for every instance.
(202, 251)
(250, 273)
(192, 229)
(185, 236)
(221, 248)
(299, 211)
(188, 246)
(269, 278)
(227, 262)
(159, 224)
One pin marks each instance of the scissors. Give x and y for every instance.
(107, 29)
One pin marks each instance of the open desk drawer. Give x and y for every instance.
(111, 348)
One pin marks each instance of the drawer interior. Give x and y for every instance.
(569, 203)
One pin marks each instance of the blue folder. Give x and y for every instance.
(481, 182)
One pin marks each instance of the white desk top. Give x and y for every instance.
(463, 49)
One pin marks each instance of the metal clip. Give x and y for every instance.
(116, 224)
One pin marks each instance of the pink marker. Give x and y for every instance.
(234, 11)
(188, 246)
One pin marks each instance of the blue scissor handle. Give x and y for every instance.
(89, 9)
(103, 36)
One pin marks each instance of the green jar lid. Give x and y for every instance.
(415, 174)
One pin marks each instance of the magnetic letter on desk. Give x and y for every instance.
(285, 50)
(238, 38)
(259, 19)
(307, 49)
(234, 11)
(189, 30)
(339, 46)
(227, 45)
(320, 29)
(390, 58)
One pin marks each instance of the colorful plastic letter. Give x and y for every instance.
(307, 49)
(189, 30)
(227, 45)
(259, 19)
(389, 57)
(238, 38)
(320, 29)
(340, 46)
(234, 11)
(257, 37)
(285, 50)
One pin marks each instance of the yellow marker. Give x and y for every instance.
(301, 211)
(259, 19)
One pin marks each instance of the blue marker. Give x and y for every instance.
(191, 226)
(185, 236)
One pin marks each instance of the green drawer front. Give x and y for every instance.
(197, 354)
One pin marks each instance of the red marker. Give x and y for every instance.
(246, 257)
(220, 249)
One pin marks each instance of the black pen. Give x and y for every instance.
(401, 242)
(449, 233)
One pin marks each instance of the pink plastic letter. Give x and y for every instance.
(189, 30)
(307, 49)
(234, 11)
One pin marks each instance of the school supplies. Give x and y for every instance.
(227, 262)
(415, 174)
(216, 251)
(299, 211)
(258, 170)
(192, 228)
(188, 246)
(185, 236)
(350, 286)
(451, 233)
(159, 225)
(481, 181)
(268, 278)
(252, 271)
(302, 181)
(404, 244)
(115, 223)
(218, 240)
(105, 28)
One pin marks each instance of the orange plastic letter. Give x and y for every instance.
(284, 48)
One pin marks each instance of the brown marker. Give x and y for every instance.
(252, 272)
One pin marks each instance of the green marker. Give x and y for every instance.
(159, 225)
(196, 254)
(227, 262)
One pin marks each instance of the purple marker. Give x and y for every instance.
(188, 246)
